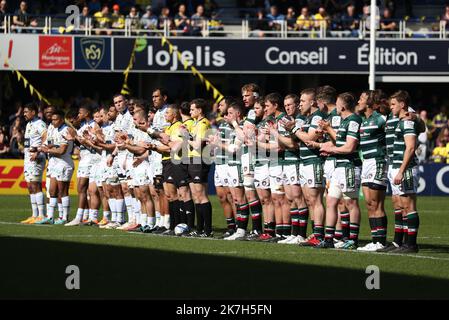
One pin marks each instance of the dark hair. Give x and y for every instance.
(59, 113)
(401, 96)
(293, 96)
(348, 100)
(87, 108)
(200, 104)
(275, 98)
(185, 108)
(326, 94)
(310, 92)
(238, 106)
(163, 91)
(32, 106)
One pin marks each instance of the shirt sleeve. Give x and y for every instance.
(410, 128)
(354, 129)
(314, 122)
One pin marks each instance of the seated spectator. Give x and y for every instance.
(259, 25)
(3, 11)
(198, 21)
(423, 143)
(443, 137)
(149, 20)
(22, 18)
(16, 145)
(350, 21)
(445, 17)
(165, 16)
(214, 24)
(275, 19)
(440, 153)
(83, 17)
(429, 125)
(133, 18)
(387, 22)
(182, 21)
(4, 144)
(291, 18)
(440, 120)
(117, 19)
(103, 21)
(321, 19)
(304, 21)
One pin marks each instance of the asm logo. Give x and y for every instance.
(93, 51)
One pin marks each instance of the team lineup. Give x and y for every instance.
(279, 162)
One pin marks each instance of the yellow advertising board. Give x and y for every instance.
(12, 181)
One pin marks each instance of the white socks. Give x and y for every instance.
(52, 207)
(65, 202)
(40, 203)
(34, 205)
(79, 214)
(129, 202)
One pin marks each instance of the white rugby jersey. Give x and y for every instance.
(59, 139)
(140, 136)
(108, 132)
(33, 135)
(159, 122)
(85, 125)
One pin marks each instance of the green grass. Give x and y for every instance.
(115, 264)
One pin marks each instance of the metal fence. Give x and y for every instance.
(418, 28)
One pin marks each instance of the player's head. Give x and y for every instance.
(48, 112)
(120, 102)
(58, 118)
(307, 100)
(198, 108)
(185, 109)
(30, 111)
(346, 103)
(235, 111)
(325, 96)
(140, 120)
(291, 104)
(151, 112)
(224, 104)
(139, 105)
(399, 101)
(112, 113)
(172, 114)
(250, 92)
(259, 107)
(84, 112)
(159, 97)
(273, 103)
(97, 116)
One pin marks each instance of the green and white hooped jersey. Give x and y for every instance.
(250, 118)
(235, 159)
(349, 126)
(390, 128)
(335, 120)
(403, 129)
(277, 157)
(372, 137)
(225, 131)
(291, 156)
(308, 155)
(262, 156)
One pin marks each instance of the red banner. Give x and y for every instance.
(55, 53)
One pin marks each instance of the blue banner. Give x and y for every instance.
(92, 53)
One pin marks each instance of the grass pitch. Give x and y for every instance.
(116, 264)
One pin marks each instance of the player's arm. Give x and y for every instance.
(409, 154)
(135, 149)
(286, 142)
(349, 147)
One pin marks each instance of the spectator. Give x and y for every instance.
(4, 145)
(443, 137)
(19, 110)
(198, 21)
(304, 21)
(103, 21)
(423, 141)
(445, 17)
(165, 16)
(149, 20)
(321, 19)
(387, 22)
(16, 145)
(215, 24)
(259, 25)
(3, 11)
(17, 124)
(117, 19)
(350, 22)
(22, 18)
(83, 17)
(182, 21)
(440, 153)
(429, 126)
(291, 18)
(133, 18)
(275, 19)
(440, 120)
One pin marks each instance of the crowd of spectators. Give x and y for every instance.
(193, 17)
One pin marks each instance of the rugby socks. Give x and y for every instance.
(318, 231)
(398, 227)
(137, 210)
(85, 214)
(129, 202)
(65, 202)
(413, 226)
(189, 211)
(158, 219)
(286, 229)
(79, 214)
(242, 216)
(279, 229)
(52, 207)
(206, 212)
(231, 223)
(93, 214)
(143, 219)
(112, 207)
(269, 228)
(381, 226)
(373, 228)
(119, 210)
(354, 232)
(60, 210)
(34, 205)
(338, 234)
(166, 221)
(173, 209)
(40, 203)
(405, 228)
(182, 214)
(151, 221)
(329, 234)
(344, 220)
(303, 218)
(294, 214)
(256, 214)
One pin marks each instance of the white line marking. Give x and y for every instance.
(432, 57)
(342, 57)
